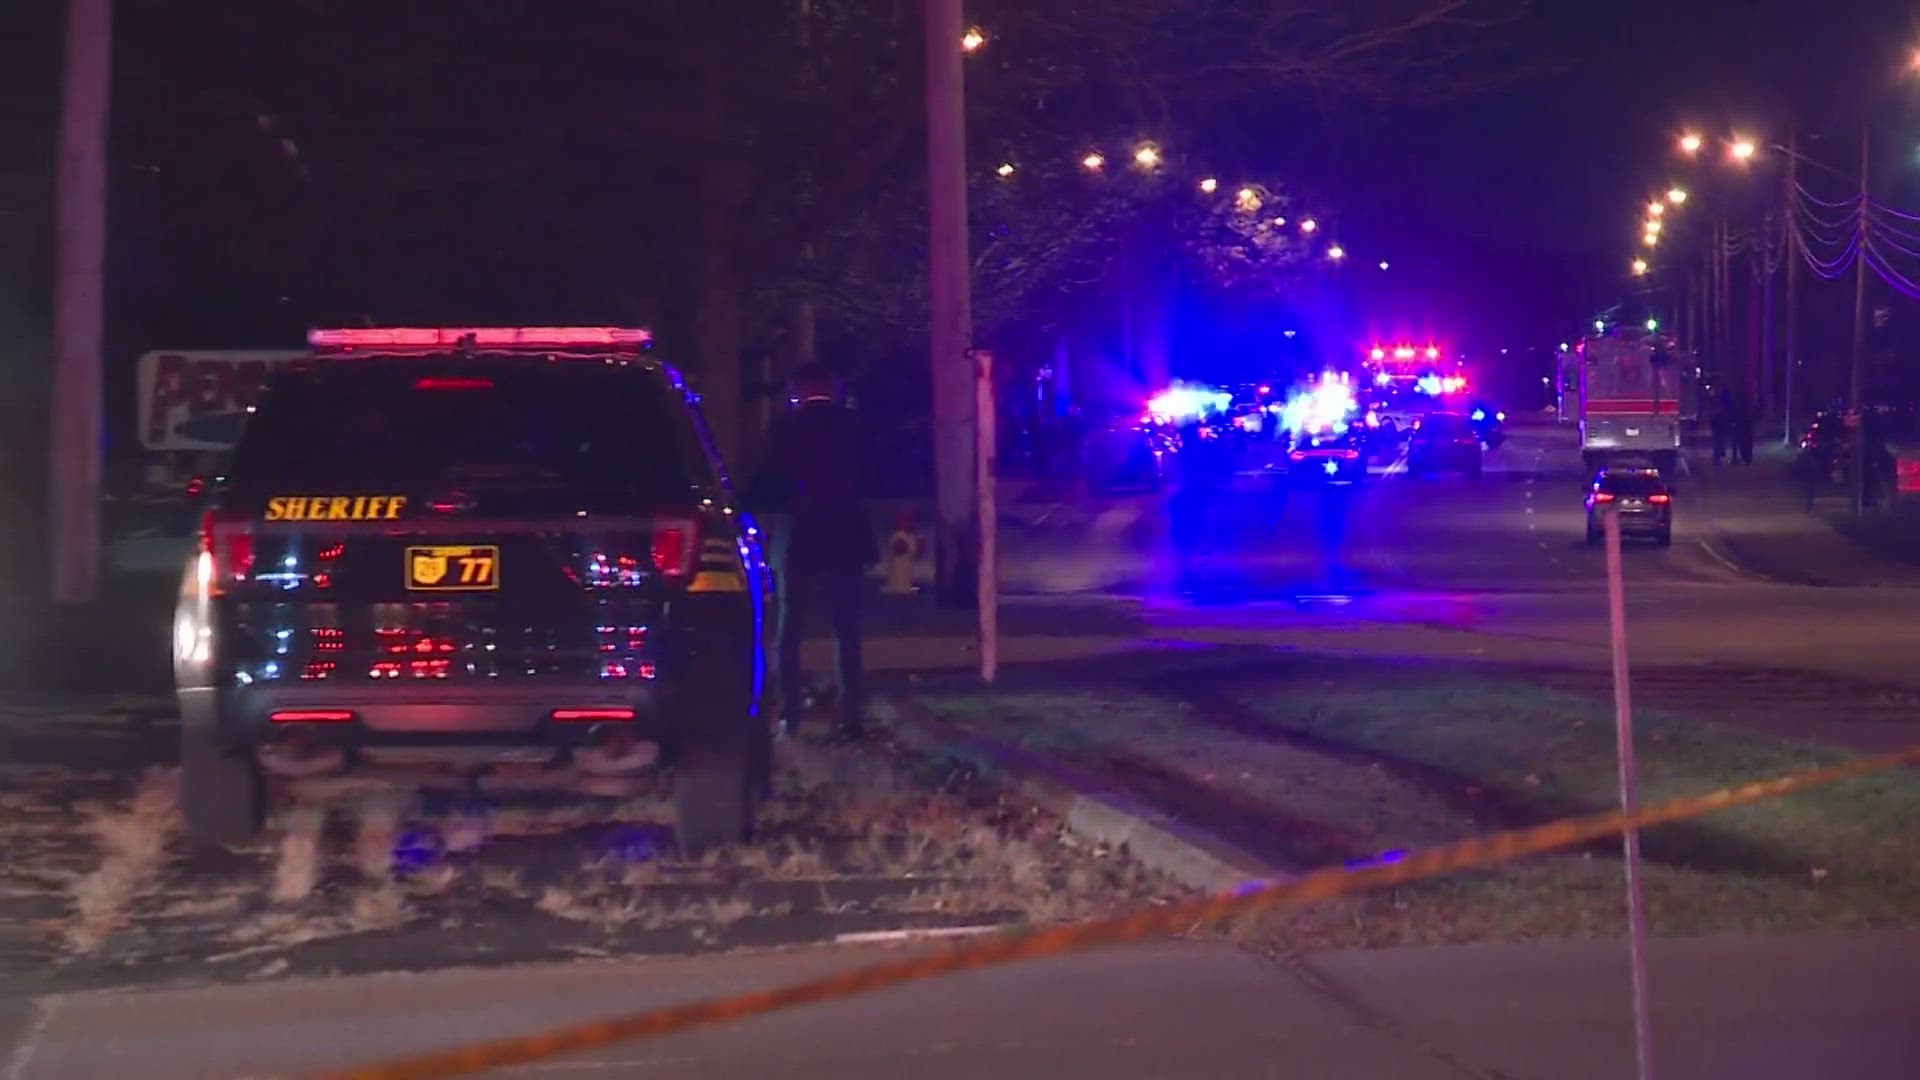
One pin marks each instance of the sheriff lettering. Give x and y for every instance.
(335, 507)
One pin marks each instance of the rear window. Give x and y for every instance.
(1631, 486)
(370, 423)
(1444, 423)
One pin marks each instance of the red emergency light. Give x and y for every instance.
(389, 338)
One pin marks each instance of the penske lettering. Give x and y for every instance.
(335, 507)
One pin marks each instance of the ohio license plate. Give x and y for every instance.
(466, 568)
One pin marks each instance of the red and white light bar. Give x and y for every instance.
(485, 337)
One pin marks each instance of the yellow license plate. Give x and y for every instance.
(470, 568)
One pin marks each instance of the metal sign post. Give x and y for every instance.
(1629, 798)
(985, 435)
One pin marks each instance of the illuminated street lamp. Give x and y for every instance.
(1639, 268)
(973, 39)
(1385, 265)
(1336, 253)
(1147, 156)
(1094, 161)
(1690, 143)
(1309, 225)
(1653, 226)
(1742, 150)
(1650, 239)
(1005, 170)
(1656, 208)
(1247, 199)
(1279, 223)
(1677, 195)
(1209, 185)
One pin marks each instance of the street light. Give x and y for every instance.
(1279, 223)
(1385, 265)
(1005, 170)
(1639, 268)
(1209, 185)
(973, 39)
(1690, 143)
(1309, 225)
(1650, 239)
(1247, 199)
(1742, 150)
(1336, 253)
(1653, 325)
(1656, 208)
(1653, 226)
(1094, 161)
(1677, 195)
(1147, 156)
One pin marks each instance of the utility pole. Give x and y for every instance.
(1793, 277)
(79, 306)
(954, 424)
(1856, 385)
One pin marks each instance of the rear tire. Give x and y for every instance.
(223, 793)
(713, 798)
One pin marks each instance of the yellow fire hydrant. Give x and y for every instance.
(903, 551)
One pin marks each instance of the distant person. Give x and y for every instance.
(811, 490)
(1721, 422)
(1742, 432)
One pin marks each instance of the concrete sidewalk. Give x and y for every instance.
(1832, 1006)
(1759, 521)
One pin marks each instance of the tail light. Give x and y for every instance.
(1298, 455)
(1603, 496)
(1660, 498)
(592, 716)
(226, 551)
(1349, 454)
(675, 547)
(310, 716)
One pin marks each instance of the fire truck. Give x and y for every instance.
(1631, 386)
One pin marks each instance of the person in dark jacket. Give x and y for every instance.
(810, 495)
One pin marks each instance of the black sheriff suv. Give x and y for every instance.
(483, 550)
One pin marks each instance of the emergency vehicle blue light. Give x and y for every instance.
(1479, 415)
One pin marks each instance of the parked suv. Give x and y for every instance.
(478, 550)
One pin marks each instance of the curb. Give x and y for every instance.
(1156, 839)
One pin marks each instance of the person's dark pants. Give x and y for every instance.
(806, 594)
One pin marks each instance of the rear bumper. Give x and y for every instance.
(426, 718)
(1636, 523)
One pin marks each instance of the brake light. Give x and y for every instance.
(1298, 455)
(310, 716)
(226, 552)
(447, 337)
(1349, 454)
(589, 716)
(673, 548)
(450, 382)
(1603, 496)
(1662, 497)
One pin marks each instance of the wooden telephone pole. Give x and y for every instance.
(79, 305)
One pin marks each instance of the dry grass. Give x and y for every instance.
(132, 843)
(299, 860)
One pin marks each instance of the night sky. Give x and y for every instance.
(1507, 215)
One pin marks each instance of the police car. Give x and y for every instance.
(479, 550)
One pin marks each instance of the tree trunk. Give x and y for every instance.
(719, 308)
